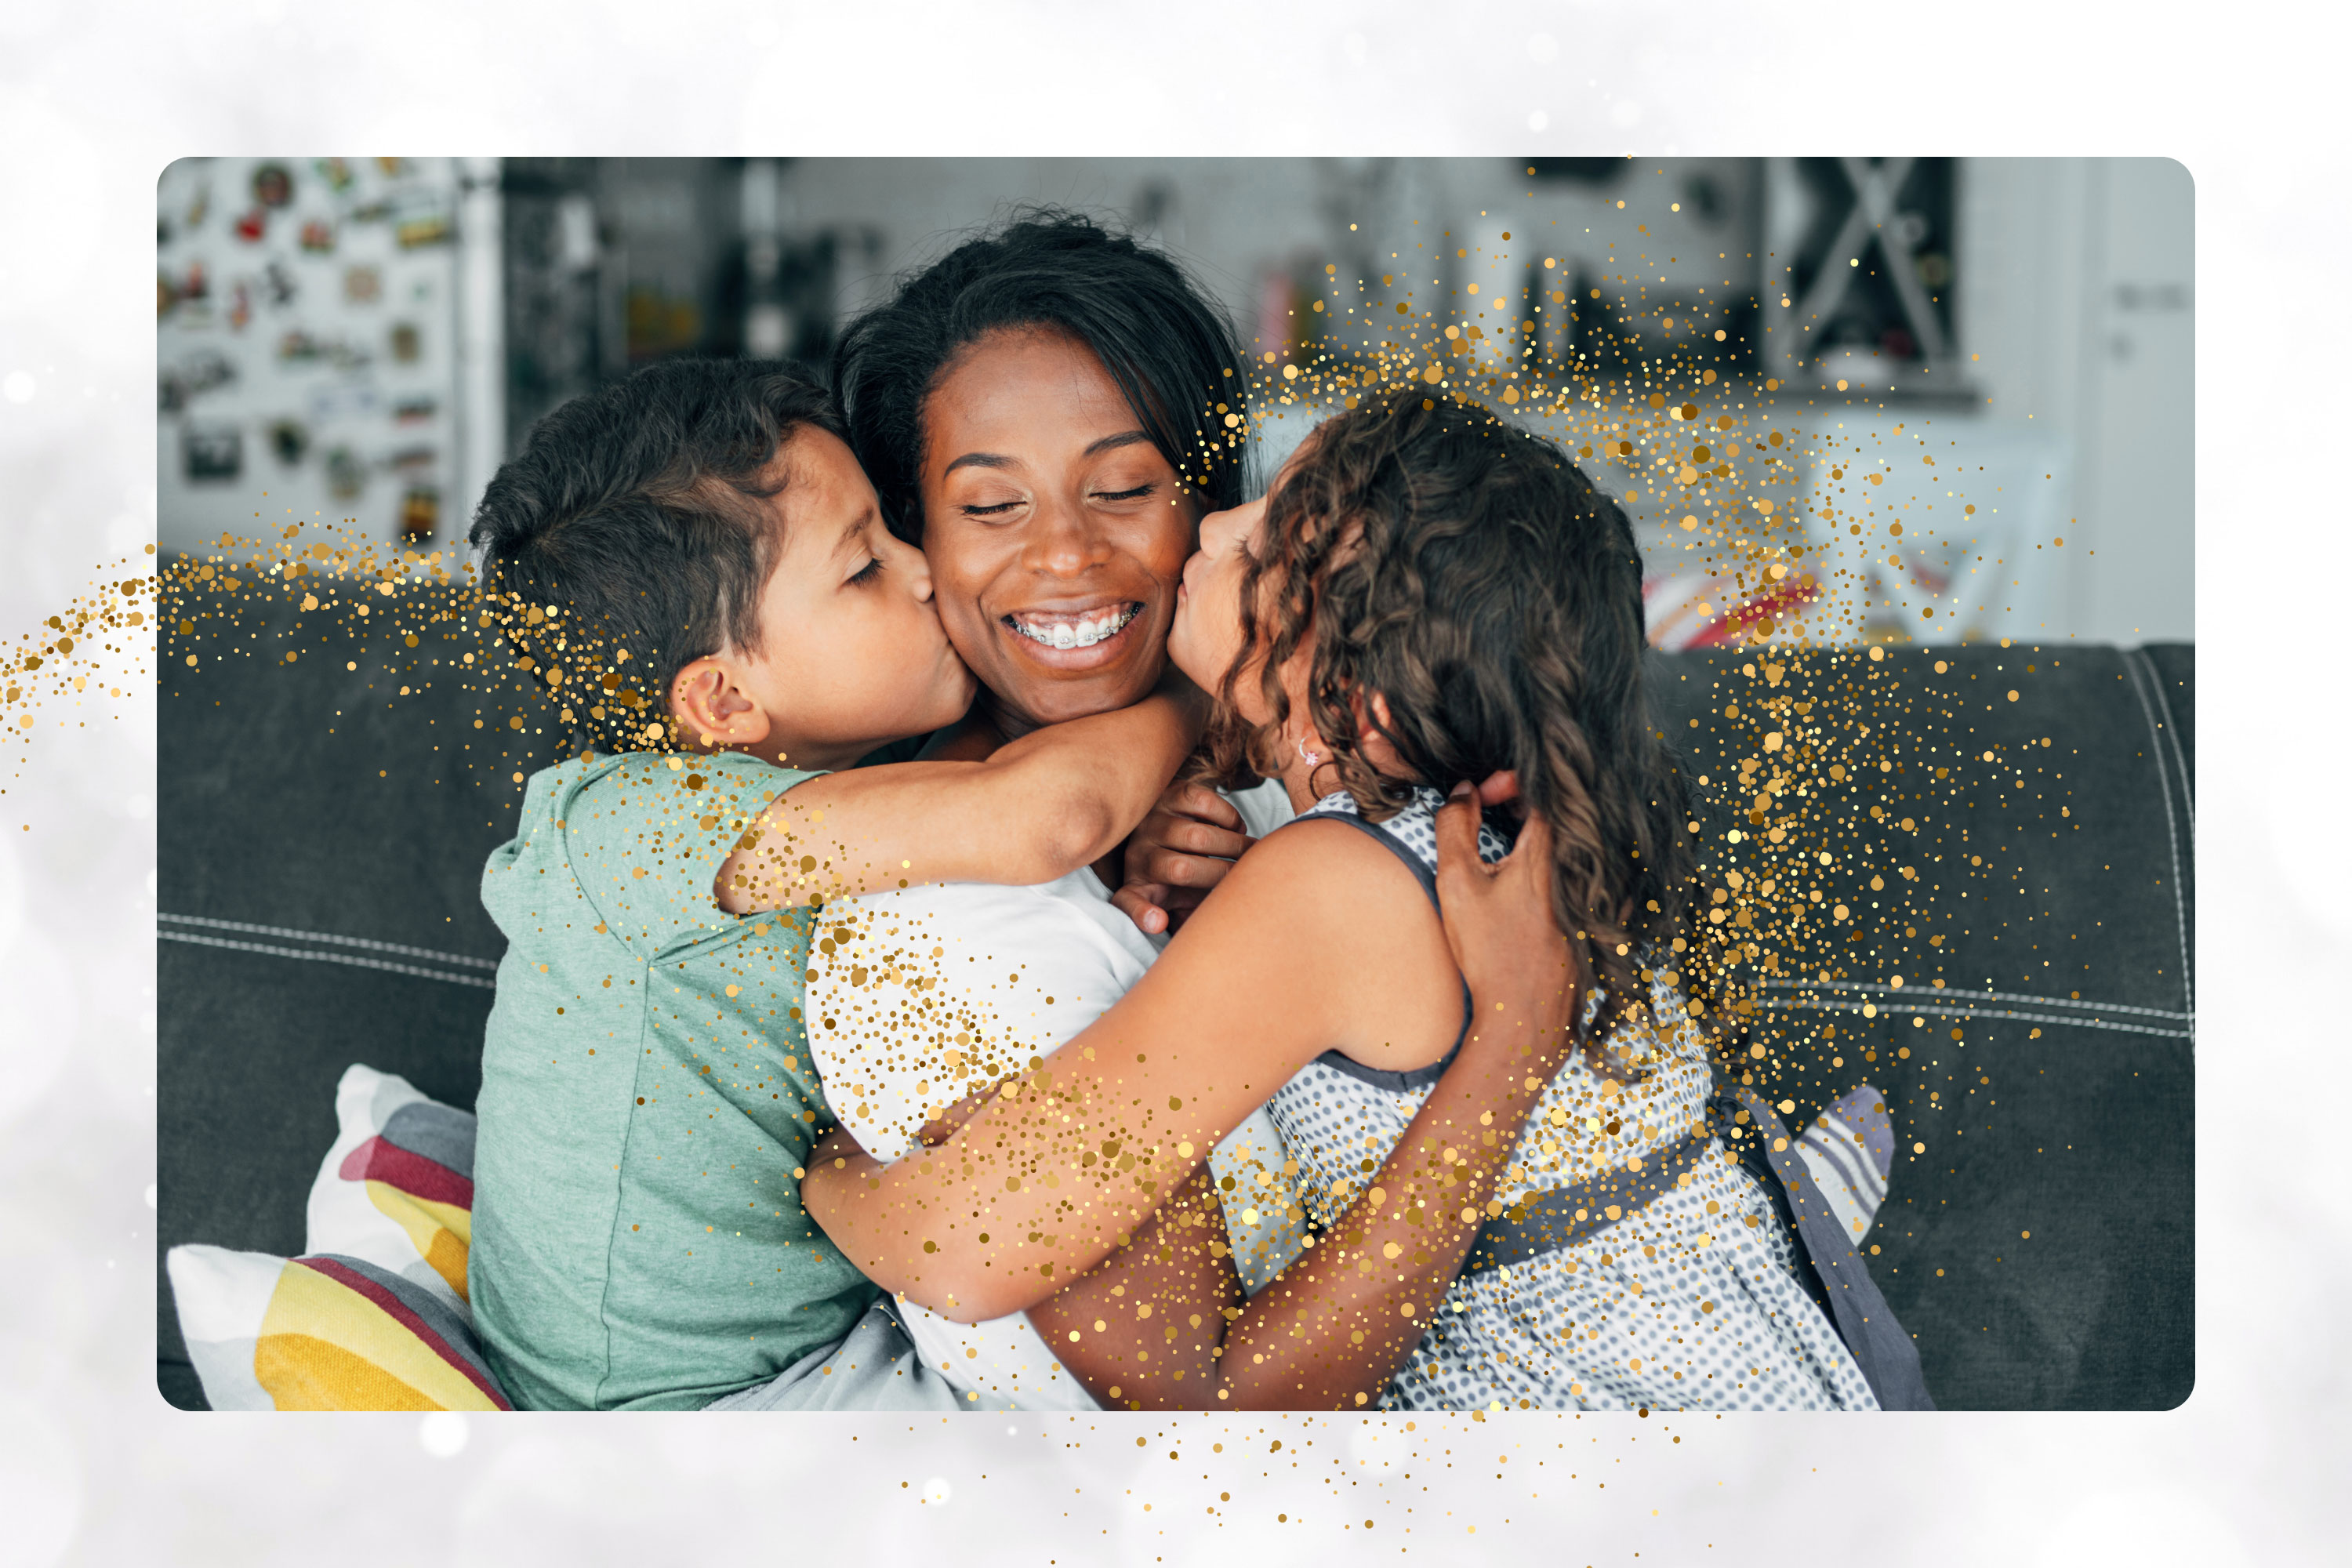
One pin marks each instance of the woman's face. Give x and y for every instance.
(1054, 529)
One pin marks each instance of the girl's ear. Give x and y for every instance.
(1372, 721)
(712, 710)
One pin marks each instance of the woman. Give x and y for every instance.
(1429, 593)
(1044, 411)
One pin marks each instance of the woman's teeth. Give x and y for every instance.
(1084, 633)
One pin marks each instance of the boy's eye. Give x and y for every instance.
(871, 570)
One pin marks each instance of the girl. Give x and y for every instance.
(1428, 596)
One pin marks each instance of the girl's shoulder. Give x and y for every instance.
(1317, 878)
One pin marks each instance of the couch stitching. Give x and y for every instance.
(1970, 997)
(2180, 757)
(1814, 1005)
(351, 958)
(2171, 824)
(328, 936)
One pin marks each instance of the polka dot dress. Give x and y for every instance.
(1691, 1302)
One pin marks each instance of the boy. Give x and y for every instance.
(695, 564)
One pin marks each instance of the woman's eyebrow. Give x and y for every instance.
(1094, 448)
(1113, 442)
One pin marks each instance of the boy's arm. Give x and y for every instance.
(1037, 809)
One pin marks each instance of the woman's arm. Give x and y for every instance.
(1064, 1163)
(1144, 1332)
(1332, 1330)
(1038, 808)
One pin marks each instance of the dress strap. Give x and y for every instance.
(1560, 1217)
(1839, 1279)
(1426, 875)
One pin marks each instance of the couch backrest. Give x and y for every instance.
(322, 837)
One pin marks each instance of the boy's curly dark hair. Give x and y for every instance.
(1467, 573)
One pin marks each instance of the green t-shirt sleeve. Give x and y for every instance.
(646, 833)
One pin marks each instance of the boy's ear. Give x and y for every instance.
(711, 710)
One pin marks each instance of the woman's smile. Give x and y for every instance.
(1053, 527)
(1085, 637)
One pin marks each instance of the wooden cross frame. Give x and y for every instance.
(1872, 217)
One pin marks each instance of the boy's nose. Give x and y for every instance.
(917, 569)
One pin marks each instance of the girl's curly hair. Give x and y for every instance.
(1468, 573)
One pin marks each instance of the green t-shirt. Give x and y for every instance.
(646, 1100)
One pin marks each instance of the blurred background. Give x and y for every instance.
(363, 341)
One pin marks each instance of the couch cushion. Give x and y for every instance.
(2065, 1108)
(317, 803)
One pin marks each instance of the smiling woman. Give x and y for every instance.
(1059, 530)
(1036, 410)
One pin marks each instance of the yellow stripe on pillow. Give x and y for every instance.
(305, 1373)
(324, 1346)
(441, 1232)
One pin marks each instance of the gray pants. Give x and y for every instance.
(874, 1367)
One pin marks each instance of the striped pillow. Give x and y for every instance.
(375, 1316)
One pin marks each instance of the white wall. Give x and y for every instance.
(2077, 305)
(2071, 305)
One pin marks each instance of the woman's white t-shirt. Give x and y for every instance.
(917, 995)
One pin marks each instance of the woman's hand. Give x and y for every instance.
(1183, 848)
(1499, 918)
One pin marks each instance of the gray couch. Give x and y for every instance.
(297, 799)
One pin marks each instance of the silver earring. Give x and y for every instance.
(1309, 758)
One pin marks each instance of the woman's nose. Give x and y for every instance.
(1061, 540)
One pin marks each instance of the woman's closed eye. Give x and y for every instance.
(1140, 492)
(992, 509)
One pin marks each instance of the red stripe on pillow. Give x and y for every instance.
(378, 1160)
(399, 1312)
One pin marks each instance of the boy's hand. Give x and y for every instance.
(836, 1145)
(1183, 848)
(942, 1127)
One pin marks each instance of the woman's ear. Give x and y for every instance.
(712, 710)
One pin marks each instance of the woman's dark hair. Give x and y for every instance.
(1169, 350)
(632, 520)
(1469, 574)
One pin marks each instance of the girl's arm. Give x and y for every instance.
(1037, 809)
(1064, 1163)
(1161, 1325)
